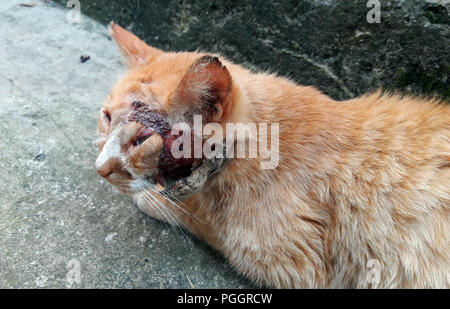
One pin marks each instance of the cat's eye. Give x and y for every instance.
(107, 116)
(143, 135)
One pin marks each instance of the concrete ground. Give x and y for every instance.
(60, 224)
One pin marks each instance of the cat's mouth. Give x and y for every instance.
(186, 185)
(183, 183)
(167, 177)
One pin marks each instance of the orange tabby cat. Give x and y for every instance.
(360, 196)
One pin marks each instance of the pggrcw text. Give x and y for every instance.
(225, 298)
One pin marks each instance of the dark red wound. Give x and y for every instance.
(169, 168)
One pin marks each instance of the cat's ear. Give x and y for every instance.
(205, 88)
(136, 51)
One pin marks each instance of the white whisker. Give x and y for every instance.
(166, 197)
(167, 214)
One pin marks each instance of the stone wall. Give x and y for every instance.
(325, 43)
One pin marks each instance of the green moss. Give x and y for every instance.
(431, 18)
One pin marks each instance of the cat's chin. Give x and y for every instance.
(178, 185)
(182, 187)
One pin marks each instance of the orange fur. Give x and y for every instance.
(363, 179)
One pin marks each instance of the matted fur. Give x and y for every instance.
(363, 179)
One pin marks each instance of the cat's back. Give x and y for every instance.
(394, 188)
(407, 138)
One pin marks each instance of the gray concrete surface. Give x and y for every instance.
(60, 225)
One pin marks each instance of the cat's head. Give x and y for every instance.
(159, 90)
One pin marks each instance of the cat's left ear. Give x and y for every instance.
(136, 51)
(204, 89)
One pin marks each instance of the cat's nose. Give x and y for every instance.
(109, 167)
(108, 161)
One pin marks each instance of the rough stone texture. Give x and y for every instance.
(55, 212)
(325, 43)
